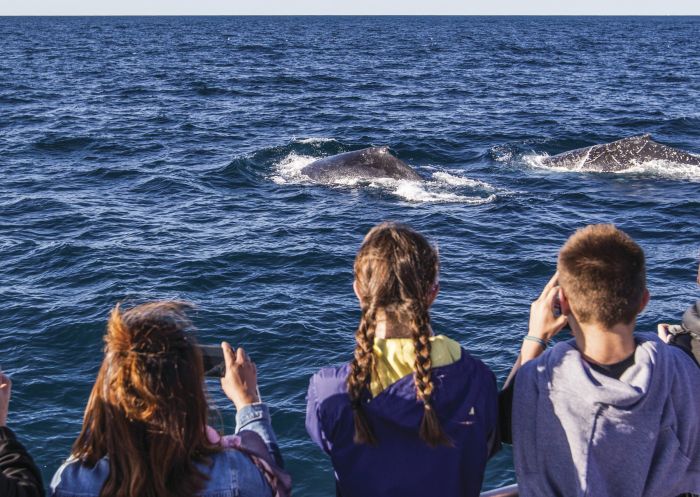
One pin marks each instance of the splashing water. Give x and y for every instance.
(443, 187)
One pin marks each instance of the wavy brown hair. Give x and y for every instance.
(395, 270)
(147, 411)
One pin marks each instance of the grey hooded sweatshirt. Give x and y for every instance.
(577, 432)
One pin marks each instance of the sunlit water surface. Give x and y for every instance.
(149, 158)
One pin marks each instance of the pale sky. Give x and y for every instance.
(349, 7)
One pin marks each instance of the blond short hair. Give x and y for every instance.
(602, 272)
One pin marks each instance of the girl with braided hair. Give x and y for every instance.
(412, 413)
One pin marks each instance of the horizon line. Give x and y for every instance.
(351, 15)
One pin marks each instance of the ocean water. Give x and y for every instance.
(150, 158)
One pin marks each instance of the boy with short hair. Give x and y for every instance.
(610, 412)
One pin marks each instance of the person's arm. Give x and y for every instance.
(544, 324)
(19, 476)
(493, 437)
(505, 411)
(313, 425)
(240, 384)
(681, 340)
(256, 417)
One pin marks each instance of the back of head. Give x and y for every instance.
(602, 272)
(396, 269)
(147, 411)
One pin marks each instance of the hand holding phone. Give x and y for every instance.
(240, 382)
(5, 394)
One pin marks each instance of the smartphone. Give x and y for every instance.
(214, 363)
(213, 358)
(557, 306)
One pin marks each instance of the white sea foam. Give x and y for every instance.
(665, 169)
(454, 180)
(415, 191)
(288, 170)
(442, 187)
(315, 139)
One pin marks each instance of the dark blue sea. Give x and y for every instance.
(159, 158)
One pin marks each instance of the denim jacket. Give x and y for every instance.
(231, 474)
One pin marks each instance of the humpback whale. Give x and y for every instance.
(365, 164)
(620, 155)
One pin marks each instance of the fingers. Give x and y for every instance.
(561, 321)
(5, 381)
(229, 355)
(662, 332)
(241, 356)
(553, 282)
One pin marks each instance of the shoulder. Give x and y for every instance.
(475, 367)
(542, 368)
(329, 381)
(675, 357)
(230, 472)
(467, 378)
(74, 478)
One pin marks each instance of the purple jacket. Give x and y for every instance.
(465, 399)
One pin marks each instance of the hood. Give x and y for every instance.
(570, 375)
(457, 388)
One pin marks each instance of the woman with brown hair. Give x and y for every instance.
(145, 430)
(412, 414)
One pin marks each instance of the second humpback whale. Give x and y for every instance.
(620, 155)
(365, 164)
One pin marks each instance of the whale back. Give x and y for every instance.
(621, 155)
(365, 164)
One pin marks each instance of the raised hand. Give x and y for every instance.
(5, 394)
(544, 322)
(240, 383)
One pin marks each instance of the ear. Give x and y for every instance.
(432, 294)
(645, 300)
(357, 294)
(564, 303)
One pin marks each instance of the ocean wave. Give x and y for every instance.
(57, 143)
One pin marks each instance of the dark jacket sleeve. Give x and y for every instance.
(19, 476)
(505, 412)
(313, 425)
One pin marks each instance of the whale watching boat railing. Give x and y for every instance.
(509, 491)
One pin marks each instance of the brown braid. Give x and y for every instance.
(395, 270)
(361, 374)
(430, 430)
